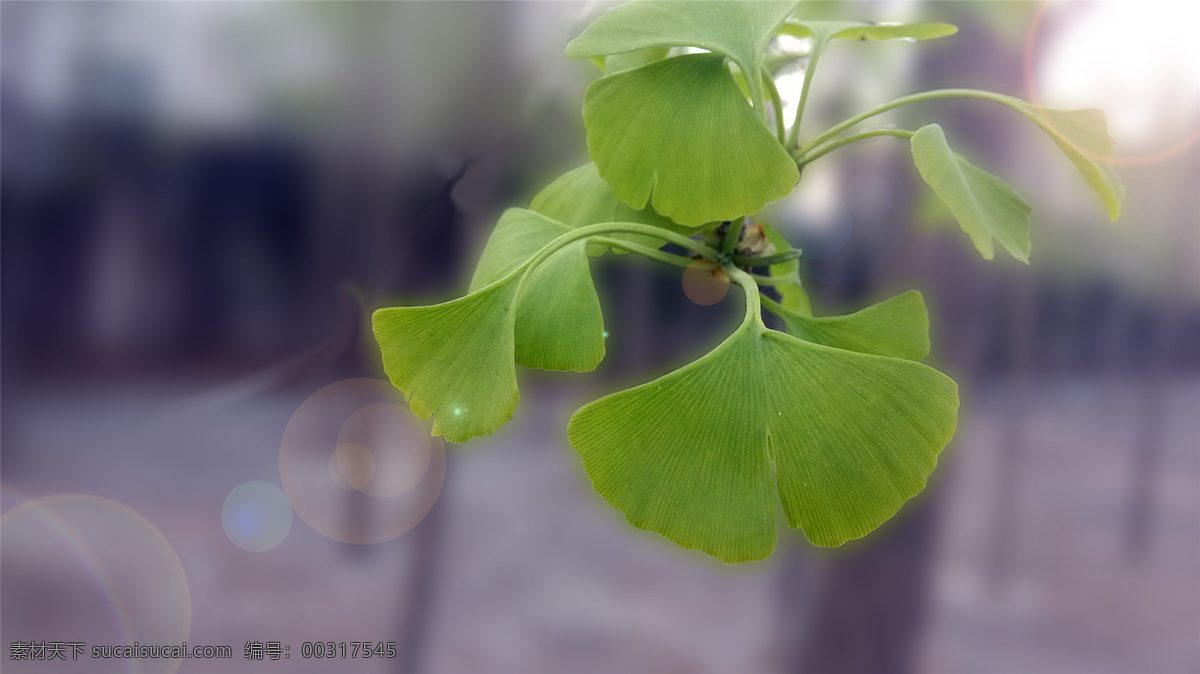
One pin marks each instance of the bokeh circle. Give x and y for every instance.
(85, 569)
(705, 282)
(256, 516)
(356, 463)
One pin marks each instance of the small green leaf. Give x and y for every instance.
(1083, 136)
(454, 360)
(559, 325)
(681, 131)
(580, 197)
(697, 455)
(739, 30)
(792, 296)
(856, 30)
(985, 206)
(897, 327)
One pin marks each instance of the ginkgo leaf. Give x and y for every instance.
(857, 30)
(517, 236)
(739, 30)
(1083, 136)
(985, 206)
(896, 327)
(698, 455)
(792, 295)
(580, 197)
(559, 325)
(679, 135)
(455, 360)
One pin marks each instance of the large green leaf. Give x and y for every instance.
(823, 31)
(1083, 136)
(679, 135)
(792, 295)
(896, 327)
(455, 360)
(739, 30)
(558, 324)
(580, 197)
(698, 455)
(985, 206)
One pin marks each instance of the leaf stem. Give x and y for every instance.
(814, 54)
(619, 228)
(777, 103)
(767, 260)
(817, 153)
(1011, 101)
(753, 307)
(772, 306)
(646, 251)
(780, 280)
(732, 234)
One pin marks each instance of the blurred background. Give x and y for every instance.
(201, 203)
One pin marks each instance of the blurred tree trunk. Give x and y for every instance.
(870, 610)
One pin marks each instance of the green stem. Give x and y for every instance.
(777, 102)
(753, 308)
(780, 280)
(1011, 101)
(874, 133)
(772, 306)
(814, 54)
(646, 251)
(617, 228)
(729, 244)
(766, 260)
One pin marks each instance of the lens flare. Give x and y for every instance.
(705, 282)
(256, 516)
(357, 464)
(84, 569)
(1124, 58)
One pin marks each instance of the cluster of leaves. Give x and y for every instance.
(836, 417)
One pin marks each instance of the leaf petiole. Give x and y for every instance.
(937, 94)
(819, 152)
(767, 260)
(780, 280)
(777, 103)
(753, 307)
(646, 251)
(814, 55)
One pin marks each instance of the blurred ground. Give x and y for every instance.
(536, 573)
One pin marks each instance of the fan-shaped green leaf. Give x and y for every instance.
(896, 327)
(580, 197)
(857, 30)
(517, 236)
(985, 206)
(679, 135)
(698, 454)
(455, 360)
(1083, 136)
(792, 296)
(739, 30)
(558, 324)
